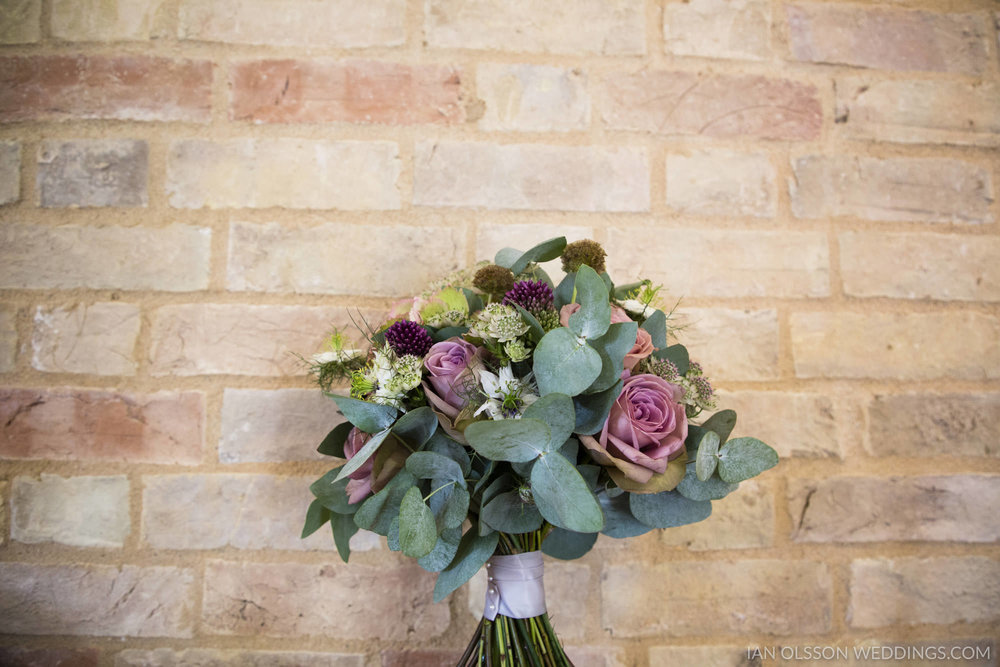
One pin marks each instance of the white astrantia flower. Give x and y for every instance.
(392, 376)
(506, 395)
(638, 307)
(499, 322)
(341, 356)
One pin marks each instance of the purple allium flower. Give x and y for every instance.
(532, 295)
(406, 337)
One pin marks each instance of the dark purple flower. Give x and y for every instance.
(406, 337)
(532, 295)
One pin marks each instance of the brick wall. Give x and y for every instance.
(192, 190)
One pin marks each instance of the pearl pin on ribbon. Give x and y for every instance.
(514, 586)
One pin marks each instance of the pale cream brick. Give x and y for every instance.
(558, 26)
(93, 172)
(261, 425)
(918, 110)
(739, 29)
(98, 600)
(932, 653)
(940, 508)
(742, 520)
(703, 656)
(904, 189)
(20, 21)
(888, 38)
(287, 173)
(10, 171)
(732, 344)
(905, 346)
(491, 237)
(920, 266)
(238, 339)
(8, 337)
(3, 512)
(593, 656)
(103, 21)
(78, 511)
(726, 263)
(721, 182)
(923, 425)
(531, 176)
(328, 24)
(97, 338)
(568, 596)
(205, 657)
(273, 258)
(774, 597)
(220, 510)
(795, 424)
(911, 591)
(533, 98)
(296, 599)
(172, 259)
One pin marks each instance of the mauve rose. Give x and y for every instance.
(646, 428)
(448, 363)
(363, 483)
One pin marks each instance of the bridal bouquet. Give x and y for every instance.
(499, 414)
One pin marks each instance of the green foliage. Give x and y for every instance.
(618, 520)
(316, 516)
(331, 492)
(676, 354)
(378, 511)
(656, 325)
(543, 252)
(344, 529)
(363, 454)
(443, 552)
(612, 348)
(535, 329)
(509, 439)
(333, 443)
(563, 497)
(722, 422)
(567, 544)
(416, 427)
(564, 363)
(592, 409)
(668, 509)
(417, 528)
(711, 489)
(708, 455)
(557, 411)
(508, 513)
(594, 316)
(431, 465)
(473, 552)
(368, 417)
(445, 446)
(743, 458)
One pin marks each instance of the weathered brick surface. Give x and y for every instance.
(3, 512)
(924, 425)
(287, 173)
(592, 656)
(795, 424)
(116, 87)
(97, 338)
(421, 658)
(723, 263)
(905, 189)
(84, 424)
(49, 510)
(739, 29)
(333, 23)
(713, 105)
(907, 346)
(911, 591)
(359, 91)
(93, 172)
(492, 237)
(559, 26)
(733, 344)
(103, 21)
(721, 182)
(204, 339)
(8, 337)
(529, 176)
(165, 657)
(242, 511)
(105, 600)
(20, 21)
(742, 520)
(768, 597)
(10, 171)
(953, 652)
(703, 656)
(920, 266)
(533, 98)
(919, 111)
(174, 258)
(942, 508)
(273, 258)
(16, 656)
(275, 425)
(293, 599)
(887, 38)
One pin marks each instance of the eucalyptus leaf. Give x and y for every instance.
(445, 446)
(431, 465)
(507, 513)
(668, 509)
(708, 455)
(567, 545)
(333, 494)
(522, 469)
(506, 257)
(344, 529)
(557, 411)
(711, 489)
(475, 301)
(563, 496)
(722, 422)
(677, 355)
(509, 439)
(333, 443)
(590, 474)
(443, 552)
(454, 509)
(417, 528)
(612, 348)
(369, 417)
(592, 409)
(618, 520)
(473, 552)
(416, 427)
(316, 516)
(392, 539)
(656, 325)
(570, 449)
(564, 291)
(743, 458)
(565, 364)
(363, 454)
(535, 330)
(543, 252)
(594, 316)
(378, 511)
(622, 292)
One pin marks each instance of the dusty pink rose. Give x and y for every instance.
(363, 481)
(447, 363)
(618, 314)
(646, 428)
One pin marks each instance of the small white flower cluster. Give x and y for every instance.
(392, 376)
(506, 395)
(503, 326)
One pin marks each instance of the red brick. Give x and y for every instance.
(362, 91)
(717, 105)
(84, 424)
(116, 87)
(888, 38)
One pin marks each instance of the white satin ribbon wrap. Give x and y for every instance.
(514, 586)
